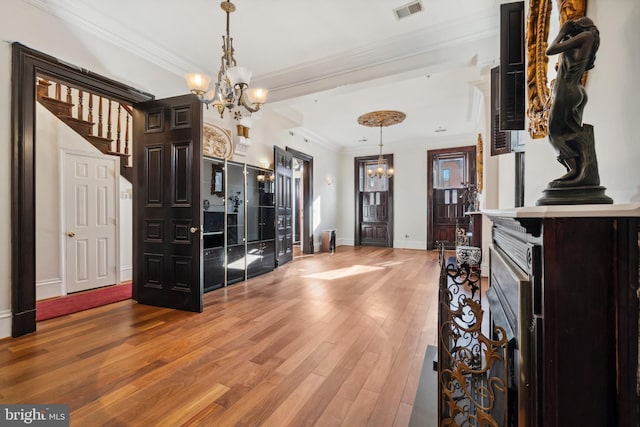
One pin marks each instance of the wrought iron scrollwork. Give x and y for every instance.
(464, 276)
(472, 367)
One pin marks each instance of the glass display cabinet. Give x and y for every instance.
(235, 226)
(260, 215)
(238, 222)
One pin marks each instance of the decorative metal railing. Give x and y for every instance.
(472, 367)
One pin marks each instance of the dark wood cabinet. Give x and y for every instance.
(566, 286)
(213, 260)
(260, 257)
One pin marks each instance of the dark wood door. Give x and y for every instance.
(284, 205)
(374, 203)
(167, 244)
(450, 169)
(305, 199)
(447, 211)
(374, 223)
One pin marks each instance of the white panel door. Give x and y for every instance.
(89, 190)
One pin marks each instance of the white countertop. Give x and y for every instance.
(560, 211)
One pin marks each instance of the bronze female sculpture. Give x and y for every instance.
(578, 42)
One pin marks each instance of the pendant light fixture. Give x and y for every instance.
(232, 87)
(381, 118)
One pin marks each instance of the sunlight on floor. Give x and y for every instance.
(389, 263)
(343, 272)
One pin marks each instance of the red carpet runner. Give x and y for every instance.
(56, 307)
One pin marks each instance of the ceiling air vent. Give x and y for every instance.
(408, 9)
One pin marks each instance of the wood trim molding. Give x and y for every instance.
(26, 65)
(307, 210)
(538, 90)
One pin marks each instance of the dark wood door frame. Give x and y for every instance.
(471, 169)
(26, 65)
(356, 199)
(307, 196)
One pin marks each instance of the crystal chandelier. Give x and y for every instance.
(381, 118)
(232, 86)
(380, 170)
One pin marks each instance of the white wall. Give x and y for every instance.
(613, 109)
(125, 225)
(48, 254)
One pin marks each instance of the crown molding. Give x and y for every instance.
(404, 52)
(114, 33)
(310, 136)
(394, 55)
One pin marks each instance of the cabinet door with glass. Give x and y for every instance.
(213, 223)
(236, 221)
(260, 214)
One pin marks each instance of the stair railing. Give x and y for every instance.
(99, 132)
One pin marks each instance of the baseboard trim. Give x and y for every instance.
(49, 289)
(5, 324)
(126, 273)
(344, 242)
(410, 244)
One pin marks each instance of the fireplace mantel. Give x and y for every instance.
(568, 211)
(577, 344)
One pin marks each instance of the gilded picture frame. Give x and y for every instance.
(538, 89)
(480, 163)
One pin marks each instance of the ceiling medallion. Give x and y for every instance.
(381, 119)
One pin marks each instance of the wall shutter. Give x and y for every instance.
(512, 66)
(500, 140)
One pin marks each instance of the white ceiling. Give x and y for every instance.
(325, 62)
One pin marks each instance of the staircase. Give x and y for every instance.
(98, 133)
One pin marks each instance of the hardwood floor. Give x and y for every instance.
(324, 340)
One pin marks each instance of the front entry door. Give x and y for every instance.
(449, 171)
(284, 205)
(90, 221)
(374, 203)
(448, 212)
(167, 243)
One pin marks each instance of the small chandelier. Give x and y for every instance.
(232, 86)
(381, 119)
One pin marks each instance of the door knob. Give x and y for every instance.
(194, 230)
(71, 234)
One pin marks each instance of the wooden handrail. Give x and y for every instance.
(87, 127)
